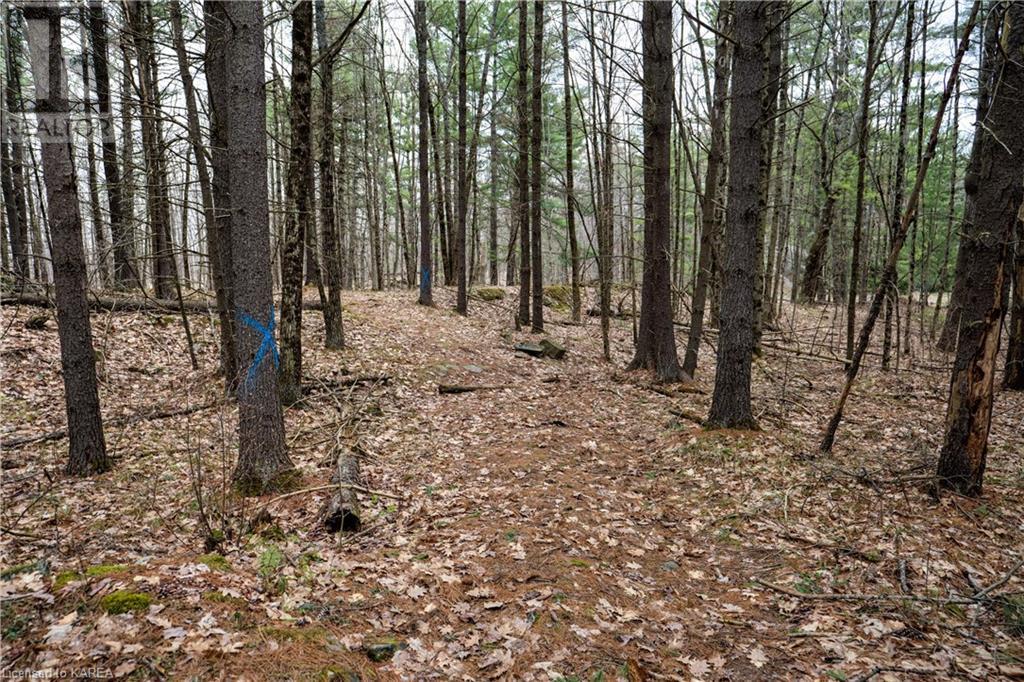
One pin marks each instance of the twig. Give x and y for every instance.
(839, 596)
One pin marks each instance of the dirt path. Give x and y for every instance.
(568, 523)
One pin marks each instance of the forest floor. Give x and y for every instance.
(571, 522)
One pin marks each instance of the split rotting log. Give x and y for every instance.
(343, 513)
(455, 389)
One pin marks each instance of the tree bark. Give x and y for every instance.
(263, 463)
(297, 219)
(334, 330)
(213, 238)
(522, 183)
(998, 195)
(711, 207)
(656, 343)
(462, 200)
(119, 235)
(13, 153)
(570, 199)
(863, 126)
(730, 405)
(157, 200)
(536, 177)
(423, 94)
(87, 450)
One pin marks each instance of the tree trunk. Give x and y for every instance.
(522, 166)
(862, 162)
(334, 330)
(770, 105)
(1013, 376)
(263, 463)
(892, 293)
(899, 238)
(297, 218)
(423, 95)
(998, 194)
(213, 237)
(730, 406)
(87, 450)
(462, 200)
(13, 153)
(536, 178)
(711, 201)
(570, 199)
(154, 151)
(96, 212)
(656, 343)
(119, 236)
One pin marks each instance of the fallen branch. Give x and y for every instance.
(840, 596)
(455, 389)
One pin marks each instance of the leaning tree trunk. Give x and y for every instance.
(297, 218)
(656, 343)
(263, 463)
(730, 404)
(87, 450)
(998, 194)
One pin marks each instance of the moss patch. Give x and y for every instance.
(125, 601)
(221, 598)
(103, 570)
(215, 562)
(489, 293)
(558, 295)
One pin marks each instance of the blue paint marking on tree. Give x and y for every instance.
(267, 343)
(425, 278)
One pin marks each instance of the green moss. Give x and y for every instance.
(221, 598)
(215, 562)
(65, 577)
(103, 570)
(125, 601)
(558, 295)
(41, 566)
(334, 672)
(489, 293)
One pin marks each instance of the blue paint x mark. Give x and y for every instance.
(266, 344)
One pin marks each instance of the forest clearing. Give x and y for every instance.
(591, 340)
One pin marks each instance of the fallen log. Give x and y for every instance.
(343, 513)
(455, 389)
